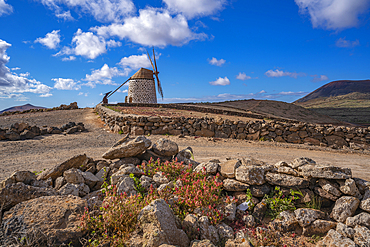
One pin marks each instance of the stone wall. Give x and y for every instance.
(275, 130)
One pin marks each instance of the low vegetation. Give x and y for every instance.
(116, 219)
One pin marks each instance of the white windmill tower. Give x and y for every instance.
(142, 85)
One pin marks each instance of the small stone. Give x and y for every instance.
(234, 185)
(160, 178)
(287, 180)
(225, 231)
(344, 207)
(228, 168)
(345, 230)
(349, 187)
(253, 175)
(306, 216)
(362, 219)
(73, 176)
(165, 147)
(362, 236)
(319, 227)
(230, 211)
(365, 203)
(335, 239)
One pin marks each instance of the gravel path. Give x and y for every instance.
(46, 151)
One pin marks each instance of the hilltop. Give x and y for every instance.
(22, 108)
(337, 88)
(347, 101)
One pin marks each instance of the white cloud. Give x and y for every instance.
(318, 78)
(65, 84)
(87, 44)
(70, 58)
(27, 74)
(243, 76)
(113, 43)
(193, 8)
(102, 10)
(216, 62)
(46, 95)
(122, 91)
(51, 40)
(103, 76)
(5, 8)
(66, 15)
(220, 82)
(16, 68)
(80, 93)
(135, 62)
(342, 42)
(333, 14)
(11, 83)
(153, 27)
(280, 73)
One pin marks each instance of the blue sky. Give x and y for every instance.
(55, 52)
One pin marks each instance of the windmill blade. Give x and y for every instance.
(155, 62)
(160, 90)
(147, 53)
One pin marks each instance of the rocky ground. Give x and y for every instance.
(49, 150)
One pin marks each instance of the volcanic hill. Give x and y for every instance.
(347, 101)
(22, 108)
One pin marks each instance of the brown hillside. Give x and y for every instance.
(279, 109)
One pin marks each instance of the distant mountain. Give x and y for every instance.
(22, 108)
(337, 88)
(347, 101)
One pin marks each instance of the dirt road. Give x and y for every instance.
(49, 150)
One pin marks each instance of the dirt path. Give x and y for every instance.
(49, 150)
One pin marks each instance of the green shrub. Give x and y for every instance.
(277, 202)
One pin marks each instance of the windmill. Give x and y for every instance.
(142, 85)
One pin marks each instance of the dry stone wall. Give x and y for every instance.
(32, 203)
(275, 130)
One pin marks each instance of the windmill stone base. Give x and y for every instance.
(142, 91)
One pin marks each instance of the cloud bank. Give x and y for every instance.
(334, 14)
(13, 85)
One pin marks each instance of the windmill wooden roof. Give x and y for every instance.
(143, 74)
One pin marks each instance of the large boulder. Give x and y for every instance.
(58, 170)
(324, 171)
(344, 207)
(287, 180)
(13, 194)
(165, 147)
(46, 221)
(158, 225)
(128, 149)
